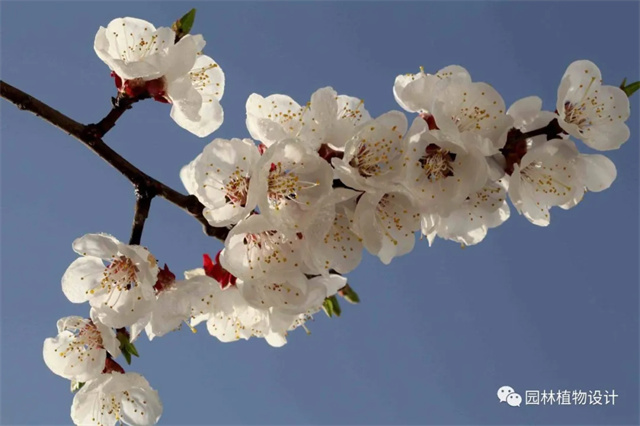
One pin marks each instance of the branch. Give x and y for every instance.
(120, 104)
(516, 146)
(551, 130)
(91, 136)
(143, 204)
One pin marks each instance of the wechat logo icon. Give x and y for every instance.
(508, 394)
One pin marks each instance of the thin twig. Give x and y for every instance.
(90, 136)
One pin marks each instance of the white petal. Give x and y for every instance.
(73, 361)
(578, 79)
(81, 278)
(180, 58)
(277, 117)
(599, 172)
(525, 110)
(207, 77)
(103, 246)
(606, 137)
(142, 405)
(188, 175)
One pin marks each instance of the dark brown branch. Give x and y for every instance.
(120, 104)
(551, 131)
(90, 136)
(143, 204)
(516, 146)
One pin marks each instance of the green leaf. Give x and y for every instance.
(631, 88)
(132, 349)
(127, 356)
(327, 306)
(336, 306)
(623, 83)
(183, 26)
(349, 294)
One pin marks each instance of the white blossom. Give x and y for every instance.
(195, 96)
(469, 222)
(441, 172)
(220, 178)
(339, 116)
(120, 292)
(80, 349)
(415, 92)
(590, 111)
(116, 398)
(386, 222)
(373, 157)
(595, 173)
(175, 301)
(289, 182)
(135, 49)
(279, 117)
(546, 177)
(255, 250)
(330, 242)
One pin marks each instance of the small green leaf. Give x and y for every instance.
(127, 356)
(624, 82)
(349, 294)
(327, 306)
(331, 306)
(132, 349)
(183, 26)
(336, 306)
(631, 88)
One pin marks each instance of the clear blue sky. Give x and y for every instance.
(438, 331)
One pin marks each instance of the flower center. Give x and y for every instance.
(579, 113)
(285, 185)
(436, 163)
(87, 338)
(120, 275)
(372, 158)
(576, 114)
(237, 188)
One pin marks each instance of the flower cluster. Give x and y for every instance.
(318, 183)
(118, 282)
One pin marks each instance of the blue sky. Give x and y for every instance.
(438, 331)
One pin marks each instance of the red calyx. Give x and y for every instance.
(327, 153)
(262, 148)
(139, 88)
(156, 89)
(430, 121)
(110, 366)
(117, 80)
(217, 272)
(165, 279)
